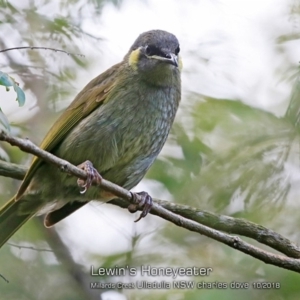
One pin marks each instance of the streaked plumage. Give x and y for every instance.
(119, 121)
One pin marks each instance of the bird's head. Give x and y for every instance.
(155, 56)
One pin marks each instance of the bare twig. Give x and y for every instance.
(63, 254)
(4, 278)
(41, 48)
(230, 225)
(236, 226)
(185, 222)
(29, 247)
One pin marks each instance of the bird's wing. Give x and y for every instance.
(96, 91)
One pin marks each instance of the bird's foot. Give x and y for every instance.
(92, 174)
(142, 201)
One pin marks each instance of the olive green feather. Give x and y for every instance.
(96, 91)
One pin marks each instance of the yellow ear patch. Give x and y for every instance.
(180, 64)
(134, 58)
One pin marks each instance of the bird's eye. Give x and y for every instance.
(153, 50)
(177, 50)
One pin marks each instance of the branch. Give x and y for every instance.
(216, 221)
(40, 48)
(27, 146)
(75, 271)
(12, 170)
(29, 248)
(230, 225)
(237, 226)
(181, 215)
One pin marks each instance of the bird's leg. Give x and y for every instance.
(91, 173)
(142, 201)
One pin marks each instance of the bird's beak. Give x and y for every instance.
(173, 60)
(170, 58)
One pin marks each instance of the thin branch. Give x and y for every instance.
(236, 226)
(27, 146)
(29, 247)
(216, 221)
(4, 278)
(228, 224)
(12, 170)
(63, 254)
(41, 48)
(232, 241)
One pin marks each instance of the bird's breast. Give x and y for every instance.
(125, 134)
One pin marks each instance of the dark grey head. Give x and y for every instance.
(155, 53)
(158, 43)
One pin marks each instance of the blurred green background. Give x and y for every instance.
(234, 148)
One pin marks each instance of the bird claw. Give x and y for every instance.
(92, 174)
(142, 201)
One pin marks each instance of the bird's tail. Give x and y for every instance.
(11, 219)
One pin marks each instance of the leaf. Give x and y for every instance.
(293, 111)
(20, 95)
(4, 121)
(8, 81)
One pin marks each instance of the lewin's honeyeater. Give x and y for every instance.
(119, 122)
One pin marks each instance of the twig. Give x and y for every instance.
(29, 247)
(232, 241)
(229, 225)
(41, 48)
(4, 278)
(64, 255)
(236, 226)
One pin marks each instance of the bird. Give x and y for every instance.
(113, 129)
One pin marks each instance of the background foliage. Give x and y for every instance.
(223, 155)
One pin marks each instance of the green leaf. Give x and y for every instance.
(293, 111)
(20, 95)
(4, 121)
(8, 81)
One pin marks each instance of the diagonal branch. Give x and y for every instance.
(216, 221)
(236, 226)
(230, 225)
(182, 216)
